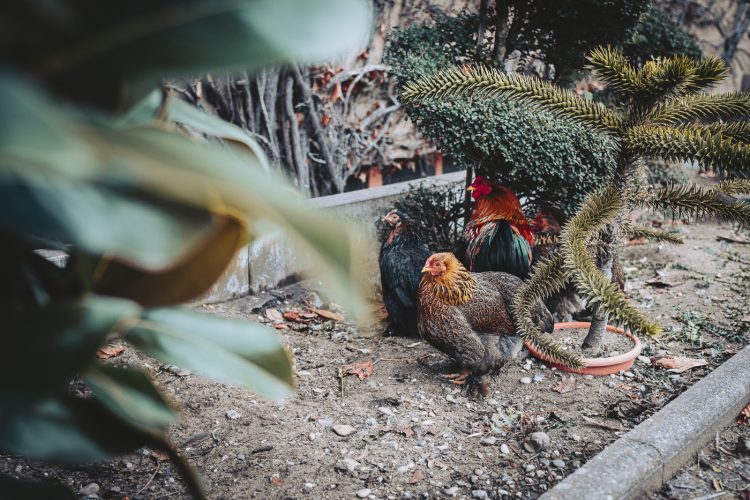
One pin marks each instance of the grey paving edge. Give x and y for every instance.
(645, 458)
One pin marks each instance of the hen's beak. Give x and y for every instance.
(425, 269)
(470, 188)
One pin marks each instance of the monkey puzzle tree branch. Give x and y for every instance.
(687, 143)
(651, 234)
(546, 279)
(597, 211)
(694, 202)
(484, 82)
(734, 187)
(737, 131)
(727, 106)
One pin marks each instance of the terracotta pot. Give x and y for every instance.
(596, 366)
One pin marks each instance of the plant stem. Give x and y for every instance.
(467, 194)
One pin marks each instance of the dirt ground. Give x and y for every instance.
(414, 435)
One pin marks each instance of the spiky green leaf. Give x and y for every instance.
(546, 279)
(652, 234)
(734, 187)
(727, 106)
(695, 202)
(481, 81)
(713, 151)
(598, 210)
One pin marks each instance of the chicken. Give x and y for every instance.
(402, 255)
(498, 237)
(566, 303)
(468, 316)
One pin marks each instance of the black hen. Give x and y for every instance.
(402, 255)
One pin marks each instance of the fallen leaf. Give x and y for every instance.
(281, 326)
(328, 314)
(109, 351)
(274, 315)
(679, 364)
(293, 316)
(637, 241)
(662, 282)
(159, 455)
(416, 477)
(744, 417)
(734, 238)
(718, 486)
(567, 384)
(277, 481)
(362, 369)
(405, 430)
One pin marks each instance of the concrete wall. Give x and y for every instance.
(270, 259)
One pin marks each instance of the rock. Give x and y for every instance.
(90, 490)
(308, 487)
(504, 449)
(489, 441)
(560, 464)
(525, 380)
(530, 467)
(479, 472)
(502, 492)
(629, 374)
(364, 492)
(481, 494)
(588, 377)
(536, 442)
(347, 465)
(344, 430)
(645, 360)
(545, 461)
(240, 456)
(233, 414)
(452, 491)
(385, 411)
(371, 422)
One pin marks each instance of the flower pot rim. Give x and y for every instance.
(597, 366)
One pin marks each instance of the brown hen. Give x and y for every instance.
(468, 316)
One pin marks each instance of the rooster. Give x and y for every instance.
(401, 257)
(566, 303)
(468, 317)
(497, 237)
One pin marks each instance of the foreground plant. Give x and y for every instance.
(662, 114)
(148, 216)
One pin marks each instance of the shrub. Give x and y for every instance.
(656, 35)
(546, 160)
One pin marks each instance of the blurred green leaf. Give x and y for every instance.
(66, 430)
(130, 394)
(253, 342)
(150, 39)
(21, 489)
(49, 345)
(186, 279)
(178, 111)
(174, 340)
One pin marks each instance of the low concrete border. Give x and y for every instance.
(649, 455)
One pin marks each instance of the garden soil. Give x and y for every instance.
(403, 432)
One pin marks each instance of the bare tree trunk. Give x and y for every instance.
(502, 27)
(741, 24)
(482, 20)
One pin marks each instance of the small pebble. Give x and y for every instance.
(347, 464)
(645, 360)
(364, 492)
(525, 380)
(560, 464)
(536, 442)
(240, 456)
(371, 422)
(308, 487)
(489, 441)
(629, 374)
(344, 430)
(90, 490)
(545, 461)
(504, 449)
(452, 491)
(233, 414)
(530, 467)
(480, 494)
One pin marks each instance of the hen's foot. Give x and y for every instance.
(477, 386)
(457, 378)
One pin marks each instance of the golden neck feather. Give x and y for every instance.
(454, 288)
